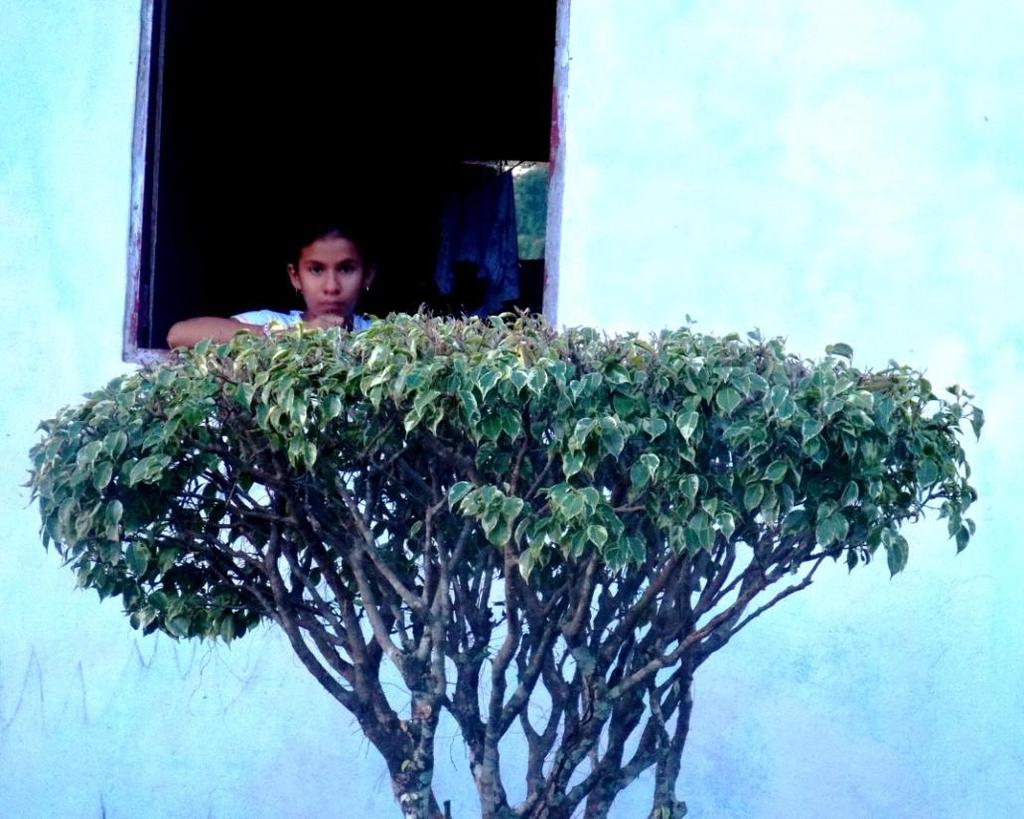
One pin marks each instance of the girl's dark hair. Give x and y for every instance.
(310, 230)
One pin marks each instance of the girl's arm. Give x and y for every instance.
(190, 332)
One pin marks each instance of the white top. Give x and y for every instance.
(290, 319)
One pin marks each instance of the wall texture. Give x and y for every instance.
(822, 173)
(829, 171)
(96, 721)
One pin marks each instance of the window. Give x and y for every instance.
(242, 118)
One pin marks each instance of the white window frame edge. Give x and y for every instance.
(556, 180)
(130, 349)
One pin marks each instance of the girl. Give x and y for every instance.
(329, 269)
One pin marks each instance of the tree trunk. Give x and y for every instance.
(549, 811)
(486, 772)
(410, 759)
(413, 793)
(666, 805)
(599, 802)
(674, 809)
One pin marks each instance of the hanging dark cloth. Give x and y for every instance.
(478, 257)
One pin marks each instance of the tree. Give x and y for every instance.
(531, 192)
(536, 529)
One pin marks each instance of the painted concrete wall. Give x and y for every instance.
(94, 720)
(821, 173)
(829, 171)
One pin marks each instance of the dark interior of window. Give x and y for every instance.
(261, 117)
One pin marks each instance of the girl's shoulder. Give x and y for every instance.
(360, 322)
(264, 317)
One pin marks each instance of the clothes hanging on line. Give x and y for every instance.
(478, 256)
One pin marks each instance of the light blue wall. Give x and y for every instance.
(830, 171)
(94, 720)
(822, 173)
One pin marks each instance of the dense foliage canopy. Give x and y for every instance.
(509, 514)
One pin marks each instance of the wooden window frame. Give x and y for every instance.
(146, 158)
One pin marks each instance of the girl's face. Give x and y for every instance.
(331, 275)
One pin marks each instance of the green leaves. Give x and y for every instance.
(727, 399)
(655, 427)
(138, 557)
(457, 492)
(553, 446)
(977, 421)
(726, 524)
(699, 533)
(147, 470)
(572, 462)
(87, 454)
(795, 522)
(927, 472)
(831, 528)
(597, 534)
(840, 349)
(686, 423)
(568, 502)
(496, 511)
(897, 550)
(612, 436)
(644, 470)
(752, 496)
(497, 523)
(810, 428)
(689, 485)
(776, 471)
(850, 494)
(113, 513)
(114, 443)
(963, 534)
(102, 475)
